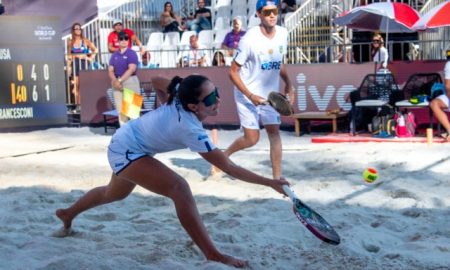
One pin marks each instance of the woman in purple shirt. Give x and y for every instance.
(122, 72)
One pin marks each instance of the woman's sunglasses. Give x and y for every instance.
(123, 38)
(211, 99)
(267, 12)
(376, 41)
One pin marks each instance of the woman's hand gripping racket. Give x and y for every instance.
(312, 220)
(280, 103)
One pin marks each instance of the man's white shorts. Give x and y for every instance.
(250, 115)
(444, 99)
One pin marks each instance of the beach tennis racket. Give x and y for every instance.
(312, 220)
(280, 103)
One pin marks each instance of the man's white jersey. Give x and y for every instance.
(260, 59)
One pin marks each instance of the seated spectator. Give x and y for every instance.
(169, 21)
(195, 55)
(122, 72)
(288, 6)
(441, 103)
(80, 55)
(218, 59)
(201, 19)
(113, 38)
(145, 63)
(231, 40)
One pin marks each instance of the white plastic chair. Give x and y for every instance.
(222, 23)
(206, 37)
(219, 37)
(171, 38)
(223, 3)
(155, 41)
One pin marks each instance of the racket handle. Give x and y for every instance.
(289, 192)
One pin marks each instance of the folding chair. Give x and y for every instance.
(376, 91)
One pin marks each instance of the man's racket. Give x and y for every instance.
(312, 220)
(280, 103)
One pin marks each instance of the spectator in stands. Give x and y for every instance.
(80, 55)
(231, 40)
(288, 6)
(256, 71)
(379, 53)
(218, 59)
(145, 63)
(169, 21)
(195, 55)
(441, 103)
(113, 38)
(122, 72)
(201, 19)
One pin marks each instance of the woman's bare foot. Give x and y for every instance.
(64, 217)
(228, 260)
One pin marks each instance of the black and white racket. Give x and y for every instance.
(280, 103)
(312, 220)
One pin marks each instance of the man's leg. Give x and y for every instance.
(250, 138)
(276, 148)
(438, 107)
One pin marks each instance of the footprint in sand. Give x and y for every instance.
(370, 247)
(413, 213)
(102, 217)
(402, 193)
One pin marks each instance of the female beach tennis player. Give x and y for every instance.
(176, 124)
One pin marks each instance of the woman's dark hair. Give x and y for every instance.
(172, 14)
(218, 57)
(189, 89)
(73, 31)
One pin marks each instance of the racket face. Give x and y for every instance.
(315, 223)
(280, 103)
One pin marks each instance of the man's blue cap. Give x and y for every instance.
(262, 3)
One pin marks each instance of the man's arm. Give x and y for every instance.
(138, 43)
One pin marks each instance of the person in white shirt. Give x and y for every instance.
(195, 55)
(379, 53)
(441, 103)
(177, 124)
(255, 71)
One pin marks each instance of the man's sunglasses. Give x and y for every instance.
(123, 38)
(376, 41)
(211, 99)
(267, 12)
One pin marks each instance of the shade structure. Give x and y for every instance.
(384, 17)
(438, 16)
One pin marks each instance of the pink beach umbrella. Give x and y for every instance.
(439, 16)
(385, 17)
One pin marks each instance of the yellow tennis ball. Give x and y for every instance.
(370, 175)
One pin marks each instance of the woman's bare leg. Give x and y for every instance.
(157, 177)
(117, 189)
